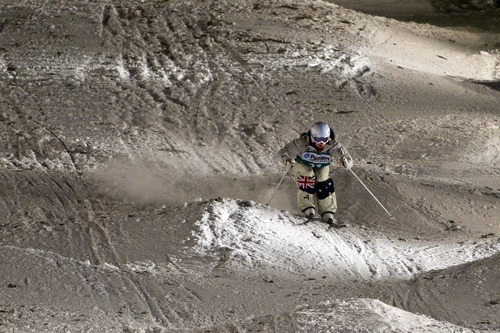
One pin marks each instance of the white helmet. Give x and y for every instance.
(320, 134)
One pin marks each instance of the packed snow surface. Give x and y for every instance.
(248, 237)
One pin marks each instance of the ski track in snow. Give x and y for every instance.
(246, 237)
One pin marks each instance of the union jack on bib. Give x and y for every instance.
(306, 183)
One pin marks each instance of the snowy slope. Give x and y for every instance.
(250, 238)
(113, 113)
(353, 315)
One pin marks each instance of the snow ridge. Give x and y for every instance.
(246, 237)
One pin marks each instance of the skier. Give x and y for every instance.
(314, 151)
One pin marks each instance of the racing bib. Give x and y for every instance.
(315, 160)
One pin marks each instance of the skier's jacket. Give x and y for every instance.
(303, 151)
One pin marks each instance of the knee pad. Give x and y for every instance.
(307, 183)
(324, 189)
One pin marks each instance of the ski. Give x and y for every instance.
(329, 227)
(337, 225)
(307, 220)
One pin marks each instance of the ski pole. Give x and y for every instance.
(392, 217)
(276, 189)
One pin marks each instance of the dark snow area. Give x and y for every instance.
(137, 163)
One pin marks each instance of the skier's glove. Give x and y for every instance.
(346, 162)
(287, 160)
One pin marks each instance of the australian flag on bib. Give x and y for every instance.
(314, 159)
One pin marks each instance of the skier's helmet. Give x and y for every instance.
(320, 134)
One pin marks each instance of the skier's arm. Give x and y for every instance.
(291, 150)
(344, 157)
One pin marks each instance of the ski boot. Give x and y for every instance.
(310, 212)
(329, 218)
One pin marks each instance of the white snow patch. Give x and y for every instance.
(350, 315)
(120, 69)
(3, 66)
(143, 267)
(366, 315)
(442, 57)
(485, 151)
(248, 237)
(326, 58)
(109, 267)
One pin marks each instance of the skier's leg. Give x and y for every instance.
(325, 193)
(303, 175)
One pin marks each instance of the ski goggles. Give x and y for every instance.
(323, 141)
